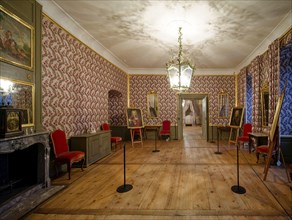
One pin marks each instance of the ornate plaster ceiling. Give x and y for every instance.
(142, 34)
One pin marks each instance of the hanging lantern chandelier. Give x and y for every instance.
(179, 69)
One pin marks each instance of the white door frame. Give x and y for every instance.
(181, 97)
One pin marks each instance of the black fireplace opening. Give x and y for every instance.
(20, 170)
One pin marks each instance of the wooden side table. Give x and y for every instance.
(221, 129)
(257, 139)
(155, 129)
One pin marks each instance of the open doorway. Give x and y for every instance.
(192, 115)
(192, 118)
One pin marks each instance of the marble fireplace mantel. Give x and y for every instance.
(9, 145)
(15, 207)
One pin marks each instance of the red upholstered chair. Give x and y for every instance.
(262, 150)
(114, 140)
(165, 129)
(247, 128)
(62, 153)
(290, 170)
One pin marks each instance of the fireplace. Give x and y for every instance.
(24, 172)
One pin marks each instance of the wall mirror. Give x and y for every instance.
(223, 105)
(19, 95)
(265, 104)
(152, 105)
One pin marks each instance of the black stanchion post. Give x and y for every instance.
(125, 187)
(218, 139)
(237, 188)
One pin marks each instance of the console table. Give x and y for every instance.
(96, 145)
(220, 129)
(155, 129)
(257, 139)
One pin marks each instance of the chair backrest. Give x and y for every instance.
(105, 127)
(59, 141)
(247, 128)
(166, 125)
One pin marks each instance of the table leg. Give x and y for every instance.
(218, 151)
(155, 150)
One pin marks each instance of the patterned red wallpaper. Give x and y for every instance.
(76, 82)
(82, 88)
(140, 85)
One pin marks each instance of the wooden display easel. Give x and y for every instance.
(231, 136)
(132, 132)
(273, 136)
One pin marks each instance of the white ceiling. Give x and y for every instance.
(143, 34)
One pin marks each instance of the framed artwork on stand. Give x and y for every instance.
(236, 117)
(134, 118)
(235, 123)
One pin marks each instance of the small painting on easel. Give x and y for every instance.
(236, 117)
(134, 118)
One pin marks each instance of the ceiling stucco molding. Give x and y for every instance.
(68, 23)
(278, 31)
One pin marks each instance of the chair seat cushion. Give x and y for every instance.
(290, 167)
(243, 138)
(164, 132)
(70, 156)
(262, 149)
(116, 139)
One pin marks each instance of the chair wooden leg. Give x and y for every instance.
(69, 170)
(83, 162)
(258, 156)
(56, 168)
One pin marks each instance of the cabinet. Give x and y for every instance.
(95, 146)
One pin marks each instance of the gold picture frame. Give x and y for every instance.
(265, 104)
(20, 95)
(223, 105)
(16, 40)
(236, 117)
(134, 118)
(152, 105)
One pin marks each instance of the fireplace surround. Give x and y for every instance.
(24, 173)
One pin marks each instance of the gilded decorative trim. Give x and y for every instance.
(236, 88)
(128, 91)
(32, 101)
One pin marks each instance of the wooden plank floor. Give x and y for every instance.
(185, 180)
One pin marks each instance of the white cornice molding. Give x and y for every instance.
(51, 9)
(68, 23)
(278, 31)
(162, 71)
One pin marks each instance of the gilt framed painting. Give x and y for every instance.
(152, 105)
(16, 40)
(134, 118)
(236, 117)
